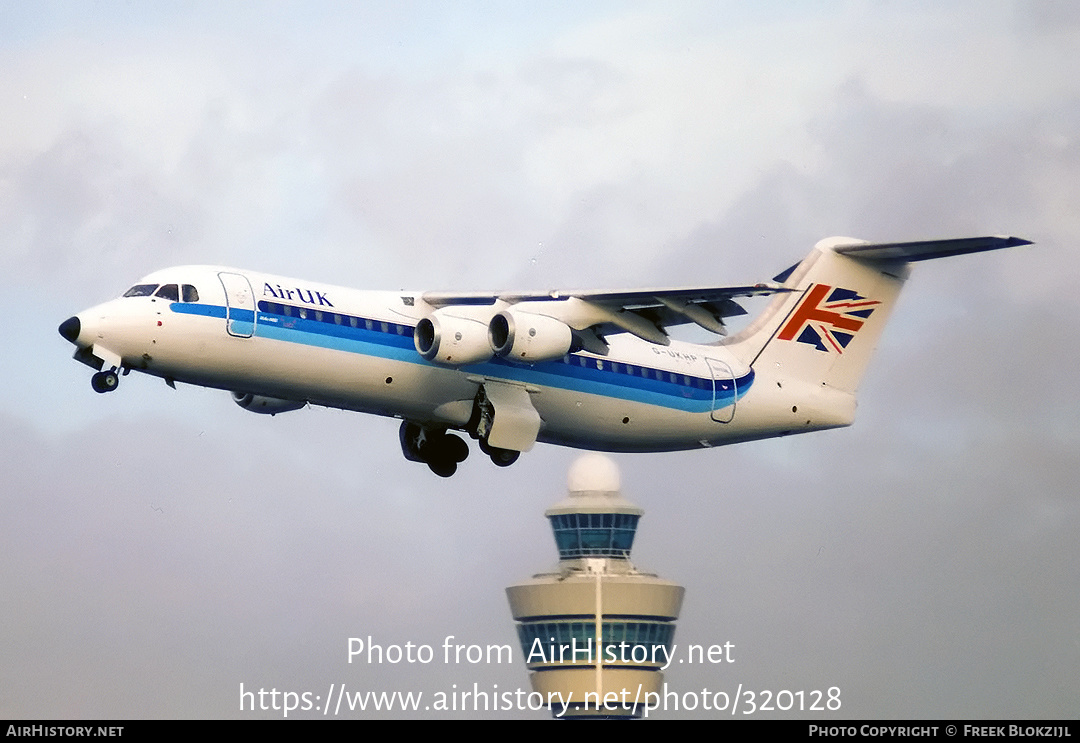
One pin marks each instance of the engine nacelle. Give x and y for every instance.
(452, 339)
(265, 405)
(526, 337)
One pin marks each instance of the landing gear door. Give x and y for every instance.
(725, 391)
(515, 423)
(239, 305)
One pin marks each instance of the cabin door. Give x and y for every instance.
(239, 305)
(725, 390)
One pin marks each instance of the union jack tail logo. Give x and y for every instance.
(828, 318)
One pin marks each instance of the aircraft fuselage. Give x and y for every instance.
(592, 370)
(349, 349)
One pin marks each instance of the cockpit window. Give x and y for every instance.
(168, 291)
(141, 290)
(191, 294)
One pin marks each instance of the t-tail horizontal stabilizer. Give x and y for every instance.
(922, 250)
(821, 335)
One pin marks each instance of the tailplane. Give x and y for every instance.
(825, 329)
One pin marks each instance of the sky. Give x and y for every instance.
(161, 551)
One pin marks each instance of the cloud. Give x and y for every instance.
(159, 548)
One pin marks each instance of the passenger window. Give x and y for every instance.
(191, 294)
(168, 291)
(141, 290)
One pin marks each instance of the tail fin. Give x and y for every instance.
(825, 330)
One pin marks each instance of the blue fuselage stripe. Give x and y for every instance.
(574, 372)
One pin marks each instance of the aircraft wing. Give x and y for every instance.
(643, 312)
(646, 313)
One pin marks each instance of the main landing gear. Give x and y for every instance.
(501, 457)
(105, 381)
(442, 452)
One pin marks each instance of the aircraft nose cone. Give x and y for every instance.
(70, 329)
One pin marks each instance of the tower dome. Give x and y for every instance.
(594, 520)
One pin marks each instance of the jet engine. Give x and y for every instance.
(265, 405)
(452, 339)
(526, 337)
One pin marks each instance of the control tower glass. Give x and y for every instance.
(594, 534)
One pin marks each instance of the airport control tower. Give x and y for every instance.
(595, 631)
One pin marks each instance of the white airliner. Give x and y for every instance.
(587, 369)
